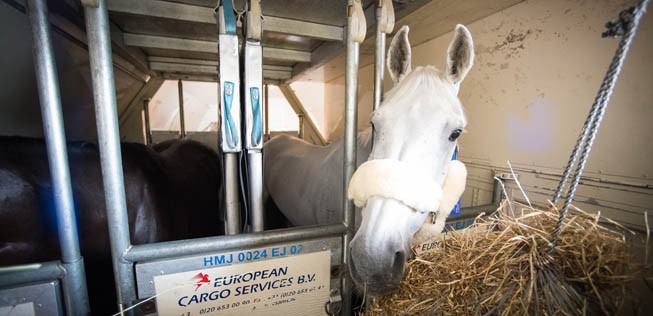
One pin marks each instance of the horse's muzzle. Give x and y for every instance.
(377, 275)
(380, 248)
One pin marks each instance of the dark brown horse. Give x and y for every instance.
(173, 191)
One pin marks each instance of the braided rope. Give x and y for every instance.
(626, 26)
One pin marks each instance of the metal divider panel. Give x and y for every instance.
(229, 93)
(32, 300)
(281, 279)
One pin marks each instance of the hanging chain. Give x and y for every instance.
(625, 26)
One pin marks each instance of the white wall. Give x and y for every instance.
(538, 67)
(200, 106)
(280, 115)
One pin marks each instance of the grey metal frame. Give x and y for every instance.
(71, 267)
(254, 151)
(104, 95)
(349, 162)
(124, 255)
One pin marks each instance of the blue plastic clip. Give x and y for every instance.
(230, 128)
(257, 125)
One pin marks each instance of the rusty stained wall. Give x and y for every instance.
(538, 67)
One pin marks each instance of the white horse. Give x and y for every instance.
(408, 152)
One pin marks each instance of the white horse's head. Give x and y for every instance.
(415, 132)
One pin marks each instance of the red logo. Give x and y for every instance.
(201, 279)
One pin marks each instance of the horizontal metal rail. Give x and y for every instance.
(204, 67)
(199, 14)
(205, 62)
(31, 273)
(165, 250)
(199, 46)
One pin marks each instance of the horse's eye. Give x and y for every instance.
(455, 134)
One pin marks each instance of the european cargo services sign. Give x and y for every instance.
(297, 285)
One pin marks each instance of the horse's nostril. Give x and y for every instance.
(398, 265)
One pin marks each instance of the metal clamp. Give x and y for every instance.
(385, 16)
(254, 28)
(334, 305)
(358, 26)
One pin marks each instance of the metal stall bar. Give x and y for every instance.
(169, 249)
(230, 112)
(74, 281)
(300, 132)
(36, 273)
(385, 22)
(356, 28)
(182, 120)
(266, 113)
(104, 95)
(148, 130)
(253, 65)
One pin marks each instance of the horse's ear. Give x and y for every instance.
(460, 55)
(399, 55)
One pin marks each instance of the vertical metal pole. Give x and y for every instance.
(497, 189)
(266, 108)
(384, 24)
(300, 133)
(74, 281)
(379, 60)
(182, 121)
(104, 95)
(255, 174)
(355, 35)
(231, 193)
(230, 115)
(148, 131)
(253, 84)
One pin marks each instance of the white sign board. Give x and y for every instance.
(297, 285)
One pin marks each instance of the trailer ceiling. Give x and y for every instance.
(177, 39)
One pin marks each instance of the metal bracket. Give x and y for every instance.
(254, 27)
(357, 24)
(385, 16)
(334, 305)
(91, 3)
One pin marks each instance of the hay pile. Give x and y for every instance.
(502, 267)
